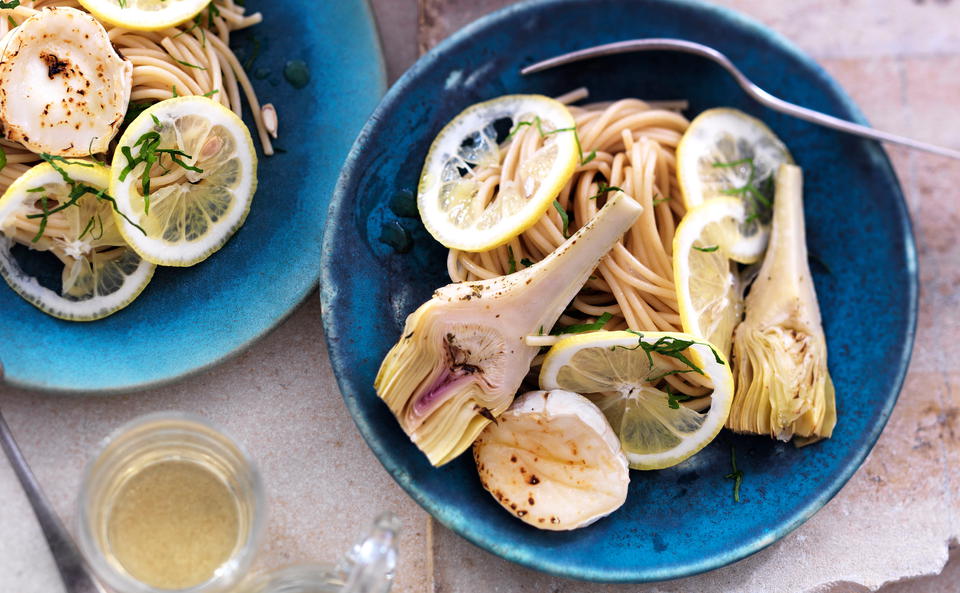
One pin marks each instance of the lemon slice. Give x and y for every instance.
(709, 289)
(461, 200)
(144, 15)
(201, 184)
(622, 372)
(726, 152)
(101, 274)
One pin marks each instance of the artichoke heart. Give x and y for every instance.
(462, 355)
(783, 386)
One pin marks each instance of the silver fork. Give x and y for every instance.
(73, 568)
(751, 89)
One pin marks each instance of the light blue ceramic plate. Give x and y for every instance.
(187, 320)
(683, 520)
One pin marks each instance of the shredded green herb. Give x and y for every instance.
(77, 191)
(748, 189)
(603, 189)
(212, 13)
(189, 65)
(660, 199)
(3, 158)
(87, 228)
(198, 24)
(584, 327)
(539, 125)
(11, 4)
(536, 122)
(91, 226)
(174, 91)
(639, 341)
(11, 22)
(193, 27)
(670, 347)
(736, 475)
(731, 164)
(45, 214)
(564, 218)
(511, 261)
(210, 93)
(707, 249)
(526, 262)
(576, 139)
(149, 154)
(674, 398)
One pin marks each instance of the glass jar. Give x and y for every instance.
(133, 479)
(368, 567)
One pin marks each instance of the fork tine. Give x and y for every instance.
(620, 47)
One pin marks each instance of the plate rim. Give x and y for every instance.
(297, 299)
(739, 551)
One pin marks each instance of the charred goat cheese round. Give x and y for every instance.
(64, 89)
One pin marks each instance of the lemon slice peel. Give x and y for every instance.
(456, 197)
(725, 152)
(101, 274)
(206, 183)
(706, 247)
(614, 370)
(147, 15)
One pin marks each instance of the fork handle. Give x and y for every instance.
(841, 125)
(73, 569)
(757, 93)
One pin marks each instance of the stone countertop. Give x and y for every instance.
(893, 520)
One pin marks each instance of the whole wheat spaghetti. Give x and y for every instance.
(192, 59)
(628, 145)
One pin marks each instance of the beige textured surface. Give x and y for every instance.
(900, 60)
(280, 400)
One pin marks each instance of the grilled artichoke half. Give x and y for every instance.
(462, 355)
(783, 387)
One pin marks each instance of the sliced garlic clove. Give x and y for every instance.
(270, 121)
(553, 460)
(63, 88)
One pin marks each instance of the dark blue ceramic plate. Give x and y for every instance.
(187, 320)
(683, 520)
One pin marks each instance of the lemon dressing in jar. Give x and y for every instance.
(170, 504)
